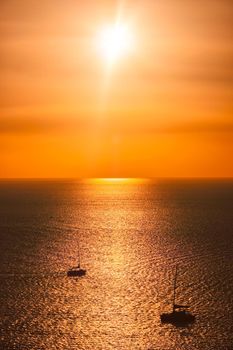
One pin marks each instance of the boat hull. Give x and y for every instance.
(177, 317)
(76, 272)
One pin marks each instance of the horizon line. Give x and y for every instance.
(118, 177)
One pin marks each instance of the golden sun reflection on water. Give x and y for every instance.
(130, 238)
(116, 180)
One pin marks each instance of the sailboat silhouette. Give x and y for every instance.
(180, 313)
(76, 271)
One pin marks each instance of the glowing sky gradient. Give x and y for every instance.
(164, 109)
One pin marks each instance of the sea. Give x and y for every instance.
(130, 235)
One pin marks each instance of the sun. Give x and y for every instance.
(115, 41)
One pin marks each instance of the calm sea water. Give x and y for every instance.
(131, 237)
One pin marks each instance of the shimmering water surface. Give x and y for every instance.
(131, 236)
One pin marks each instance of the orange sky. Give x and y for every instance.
(165, 109)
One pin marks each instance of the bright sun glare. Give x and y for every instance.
(115, 42)
(116, 180)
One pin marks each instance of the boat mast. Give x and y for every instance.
(174, 291)
(78, 255)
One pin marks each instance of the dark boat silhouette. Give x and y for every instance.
(180, 314)
(76, 271)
